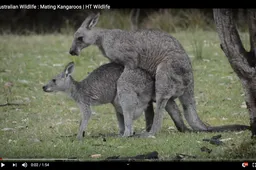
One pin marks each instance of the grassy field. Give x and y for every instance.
(45, 126)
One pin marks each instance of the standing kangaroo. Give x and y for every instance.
(156, 52)
(100, 87)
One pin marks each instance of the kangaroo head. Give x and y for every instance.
(85, 35)
(62, 81)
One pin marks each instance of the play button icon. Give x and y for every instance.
(2, 165)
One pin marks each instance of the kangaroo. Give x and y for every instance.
(157, 53)
(100, 87)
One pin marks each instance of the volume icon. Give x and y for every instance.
(24, 165)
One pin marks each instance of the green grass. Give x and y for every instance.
(40, 129)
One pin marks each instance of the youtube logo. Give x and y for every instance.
(245, 164)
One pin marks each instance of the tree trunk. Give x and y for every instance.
(242, 61)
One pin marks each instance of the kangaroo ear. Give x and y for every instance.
(69, 69)
(91, 21)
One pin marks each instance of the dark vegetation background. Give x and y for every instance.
(65, 21)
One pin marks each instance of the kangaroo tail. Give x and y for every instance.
(224, 128)
(190, 113)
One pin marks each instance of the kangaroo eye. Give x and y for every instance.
(80, 38)
(54, 80)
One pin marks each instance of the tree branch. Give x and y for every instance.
(231, 43)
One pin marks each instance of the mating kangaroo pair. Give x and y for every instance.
(157, 53)
(134, 95)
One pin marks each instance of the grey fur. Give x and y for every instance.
(135, 89)
(100, 87)
(154, 51)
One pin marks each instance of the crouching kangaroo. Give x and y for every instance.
(159, 54)
(100, 87)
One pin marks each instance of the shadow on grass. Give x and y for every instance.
(100, 135)
(245, 150)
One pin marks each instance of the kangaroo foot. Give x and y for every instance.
(127, 134)
(146, 135)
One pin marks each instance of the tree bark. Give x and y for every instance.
(242, 61)
(252, 31)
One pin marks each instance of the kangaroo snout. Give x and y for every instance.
(73, 52)
(44, 88)
(47, 89)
